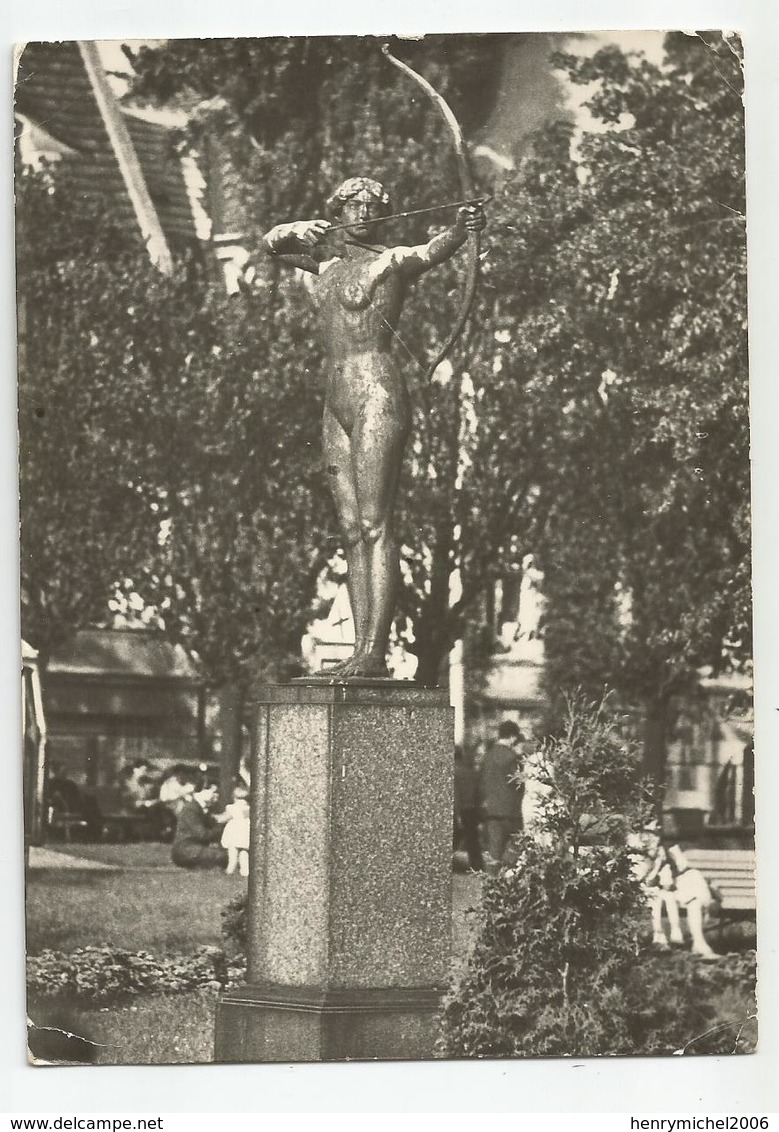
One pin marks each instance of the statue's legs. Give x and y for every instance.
(377, 443)
(364, 470)
(338, 461)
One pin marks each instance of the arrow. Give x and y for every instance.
(412, 212)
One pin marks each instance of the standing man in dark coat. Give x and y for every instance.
(197, 843)
(501, 792)
(466, 808)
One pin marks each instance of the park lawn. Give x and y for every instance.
(137, 910)
(156, 1030)
(148, 1030)
(145, 907)
(135, 855)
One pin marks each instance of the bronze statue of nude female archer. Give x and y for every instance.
(358, 293)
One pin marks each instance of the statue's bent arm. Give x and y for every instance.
(295, 245)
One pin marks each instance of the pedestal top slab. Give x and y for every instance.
(395, 693)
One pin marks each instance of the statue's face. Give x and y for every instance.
(356, 211)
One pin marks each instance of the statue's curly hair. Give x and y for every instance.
(352, 188)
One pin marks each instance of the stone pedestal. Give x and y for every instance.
(350, 883)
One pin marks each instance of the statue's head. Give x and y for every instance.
(363, 189)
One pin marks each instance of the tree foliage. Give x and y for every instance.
(298, 115)
(621, 278)
(167, 442)
(205, 410)
(83, 520)
(595, 414)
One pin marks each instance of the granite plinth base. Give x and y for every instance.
(294, 1024)
(349, 911)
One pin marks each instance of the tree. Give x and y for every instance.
(84, 521)
(297, 115)
(551, 970)
(595, 415)
(165, 450)
(624, 285)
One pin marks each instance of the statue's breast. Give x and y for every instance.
(345, 283)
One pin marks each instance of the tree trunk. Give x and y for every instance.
(432, 627)
(430, 656)
(655, 737)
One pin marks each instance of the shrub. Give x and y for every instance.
(546, 975)
(560, 967)
(234, 925)
(103, 974)
(680, 1005)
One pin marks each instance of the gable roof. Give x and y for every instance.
(54, 94)
(133, 653)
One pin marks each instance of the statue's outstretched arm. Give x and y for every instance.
(413, 261)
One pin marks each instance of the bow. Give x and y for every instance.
(468, 192)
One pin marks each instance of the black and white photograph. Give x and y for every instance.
(385, 518)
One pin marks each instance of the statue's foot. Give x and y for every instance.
(339, 669)
(360, 665)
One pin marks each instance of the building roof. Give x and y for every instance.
(133, 653)
(54, 94)
(514, 683)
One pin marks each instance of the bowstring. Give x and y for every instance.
(396, 334)
(398, 337)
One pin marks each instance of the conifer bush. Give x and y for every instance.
(561, 965)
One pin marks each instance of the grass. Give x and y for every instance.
(144, 904)
(169, 909)
(141, 910)
(138, 855)
(151, 1030)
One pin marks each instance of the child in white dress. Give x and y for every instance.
(235, 837)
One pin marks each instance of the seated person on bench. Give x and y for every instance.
(670, 883)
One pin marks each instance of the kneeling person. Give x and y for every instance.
(198, 831)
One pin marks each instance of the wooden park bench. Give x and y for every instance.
(126, 826)
(63, 824)
(121, 826)
(732, 873)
